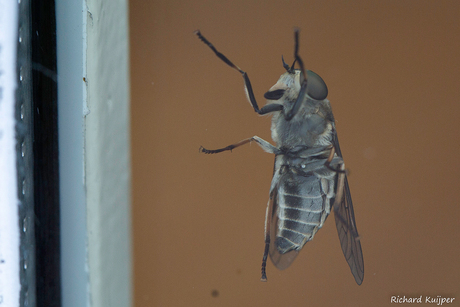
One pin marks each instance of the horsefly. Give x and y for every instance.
(309, 175)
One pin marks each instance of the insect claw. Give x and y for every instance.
(264, 275)
(204, 150)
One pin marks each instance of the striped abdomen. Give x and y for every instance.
(302, 205)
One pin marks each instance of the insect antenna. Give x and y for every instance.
(289, 69)
(286, 66)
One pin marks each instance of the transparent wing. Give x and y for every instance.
(281, 261)
(346, 226)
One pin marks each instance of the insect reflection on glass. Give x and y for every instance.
(309, 176)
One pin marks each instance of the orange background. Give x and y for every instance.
(393, 72)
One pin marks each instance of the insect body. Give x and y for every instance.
(309, 177)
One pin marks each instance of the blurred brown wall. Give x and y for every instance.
(392, 68)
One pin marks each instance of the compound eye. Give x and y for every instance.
(316, 87)
(274, 95)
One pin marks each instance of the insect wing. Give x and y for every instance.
(346, 226)
(281, 261)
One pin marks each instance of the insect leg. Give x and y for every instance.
(339, 190)
(267, 241)
(295, 108)
(303, 87)
(342, 186)
(297, 56)
(247, 83)
(329, 160)
(261, 142)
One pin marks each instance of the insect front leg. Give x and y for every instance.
(247, 84)
(303, 83)
(261, 142)
(311, 84)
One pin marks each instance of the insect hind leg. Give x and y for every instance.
(342, 185)
(342, 169)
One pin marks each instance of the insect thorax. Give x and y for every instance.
(312, 126)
